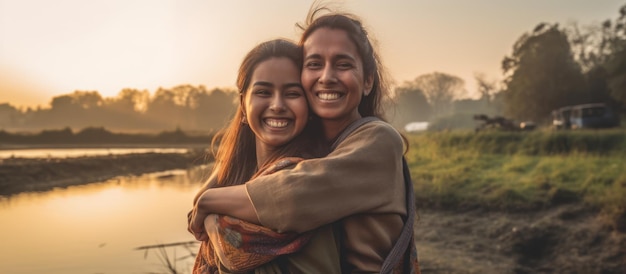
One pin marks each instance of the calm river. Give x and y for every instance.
(80, 152)
(95, 228)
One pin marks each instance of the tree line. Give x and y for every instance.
(95, 135)
(187, 107)
(549, 67)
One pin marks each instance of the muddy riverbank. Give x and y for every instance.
(41, 174)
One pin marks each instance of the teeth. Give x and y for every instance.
(328, 96)
(276, 123)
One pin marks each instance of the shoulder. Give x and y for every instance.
(375, 134)
(380, 127)
(378, 130)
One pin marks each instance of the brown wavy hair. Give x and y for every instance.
(235, 158)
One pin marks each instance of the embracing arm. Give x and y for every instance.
(209, 183)
(363, 175)
(232, 201)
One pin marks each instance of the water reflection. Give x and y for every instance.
(80, 152)
(94, 228)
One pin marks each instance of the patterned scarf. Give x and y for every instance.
(238, 246)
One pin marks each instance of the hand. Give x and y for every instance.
(189, 218)
(195, 222)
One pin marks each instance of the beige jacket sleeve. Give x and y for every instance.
(362, 175)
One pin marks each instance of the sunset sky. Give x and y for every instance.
(53, 47)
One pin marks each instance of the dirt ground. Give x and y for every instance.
(566, 239)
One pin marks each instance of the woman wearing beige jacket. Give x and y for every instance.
(359, 186)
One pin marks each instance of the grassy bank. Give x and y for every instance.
(521, 171)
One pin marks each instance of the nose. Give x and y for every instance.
(328, 75)
(278, 104)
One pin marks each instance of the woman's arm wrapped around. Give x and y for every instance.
(240, 246)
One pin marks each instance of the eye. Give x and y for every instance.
(345, 65)
(313, 64)
(293, 94)
(262, 93)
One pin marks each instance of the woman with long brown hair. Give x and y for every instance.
(271, 130)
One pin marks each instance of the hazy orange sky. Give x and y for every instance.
(52, 47)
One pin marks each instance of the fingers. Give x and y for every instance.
(202, 237)
(190, 216)
(196, 226)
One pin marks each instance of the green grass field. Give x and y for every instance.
(520, 170)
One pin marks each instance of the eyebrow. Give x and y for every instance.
(335, 57)
(291, 85)
(270, 84)
(263, 83)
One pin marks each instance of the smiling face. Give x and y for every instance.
(333, 77)
(274, 104)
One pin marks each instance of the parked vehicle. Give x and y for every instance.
(560, 118)
(501, 123)
(593, 116)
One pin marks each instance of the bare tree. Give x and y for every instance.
(440, 90)
(410, 104)
(487, 88)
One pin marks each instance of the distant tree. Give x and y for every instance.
(616, 63)
(185, 107)
(486, 88)
(597, 86)
(77, 109)
(87, 99)
(126, 111)
(591, 45)
(541, 75)
(601, 52)
(77, 100)
(129, 100)
(214, 108)
(185, 95)
(616, 69)
(411, 105)
(63, 110)
(440, 89)
(9, 115)
(164, 108)
(63, 103)
(191, 107)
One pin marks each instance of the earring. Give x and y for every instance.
(367, 91)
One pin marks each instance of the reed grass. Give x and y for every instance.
(169, 260)
(520, 170)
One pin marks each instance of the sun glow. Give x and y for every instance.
(48, 48)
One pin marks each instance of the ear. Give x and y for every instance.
(369, 83)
